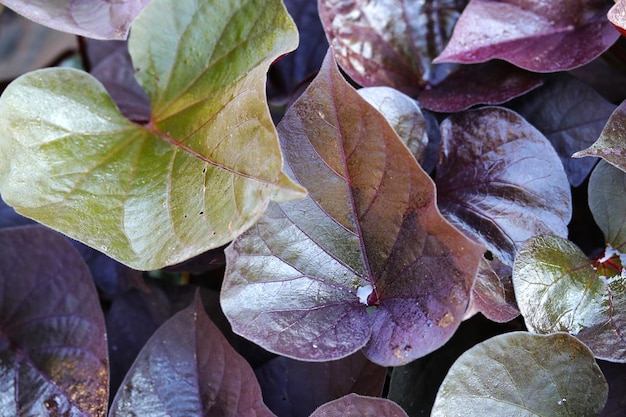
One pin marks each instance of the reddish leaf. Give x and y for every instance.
(388, 42)
(493, 82)
(540, 36)
(304, 281)
(502, 184)
(188, 368)
(52, 337)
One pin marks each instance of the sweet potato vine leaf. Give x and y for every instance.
(188, 368)
(524, 374)
(388, 42)
(501, 181)
(611, 145)
(559, 289)
(99, 19)
(53, 349)
(617, 16)
(540, 36)
(196, 176)
(354, 405)
(366, 260)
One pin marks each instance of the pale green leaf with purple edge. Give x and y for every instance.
(611, 145)
(366, 260)
(522, 374)
(69, 159)
(99, 19)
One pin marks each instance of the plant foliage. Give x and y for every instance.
(312, 208)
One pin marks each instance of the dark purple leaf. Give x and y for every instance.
(9, 218)
(52, 334)
(603, 75)
(500, 180)
(615, 374)
(366, 260)
(571, 115)
(187, 368)
(540, 36)
(389, 42)
(493, 82)
(611, 145)
(291, 71)
(617, 16)
(111, 64)
(98, 19)
(295, 389)
(353, 405)
(25, 46)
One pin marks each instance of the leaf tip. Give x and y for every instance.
(287, 190)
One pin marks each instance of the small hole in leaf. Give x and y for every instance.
(488, 255)
(201, 213)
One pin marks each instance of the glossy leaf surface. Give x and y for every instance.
(611, 145)
(99, 19)
(188, 368)
(571, 115)
(500, 180)
(521, 374)
(366, 260)
(388, 42)
(540, 36)
(52, 336)
(353, 405)
(559, 289)
(403, 114)
(195, 170)
(617, 16)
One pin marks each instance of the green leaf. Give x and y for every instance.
(202, 170)
(520, 374)
(607, 202)
(559, 289)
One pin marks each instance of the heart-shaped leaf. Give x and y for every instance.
(353, 405)
(388, 42)
(524, 374)
(305, 280)
(571, 115)
(540, 36)
(53, 347)
(99, 19)
(188, 368)
(502, 185)
(611, 145)
(199, 174)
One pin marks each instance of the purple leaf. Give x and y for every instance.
(615, 374)
(353, 405)
(388, 42)
(366, 260)
(188, 368)
(492, 82)
(25, 46)
(112, 66)
(502, 185)
(493, 293)
(52, 334)
(295, 389)
(98, 19)
(611, 145)
(571, 115)
(540, 36)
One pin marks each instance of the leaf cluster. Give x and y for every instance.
(312, 208)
